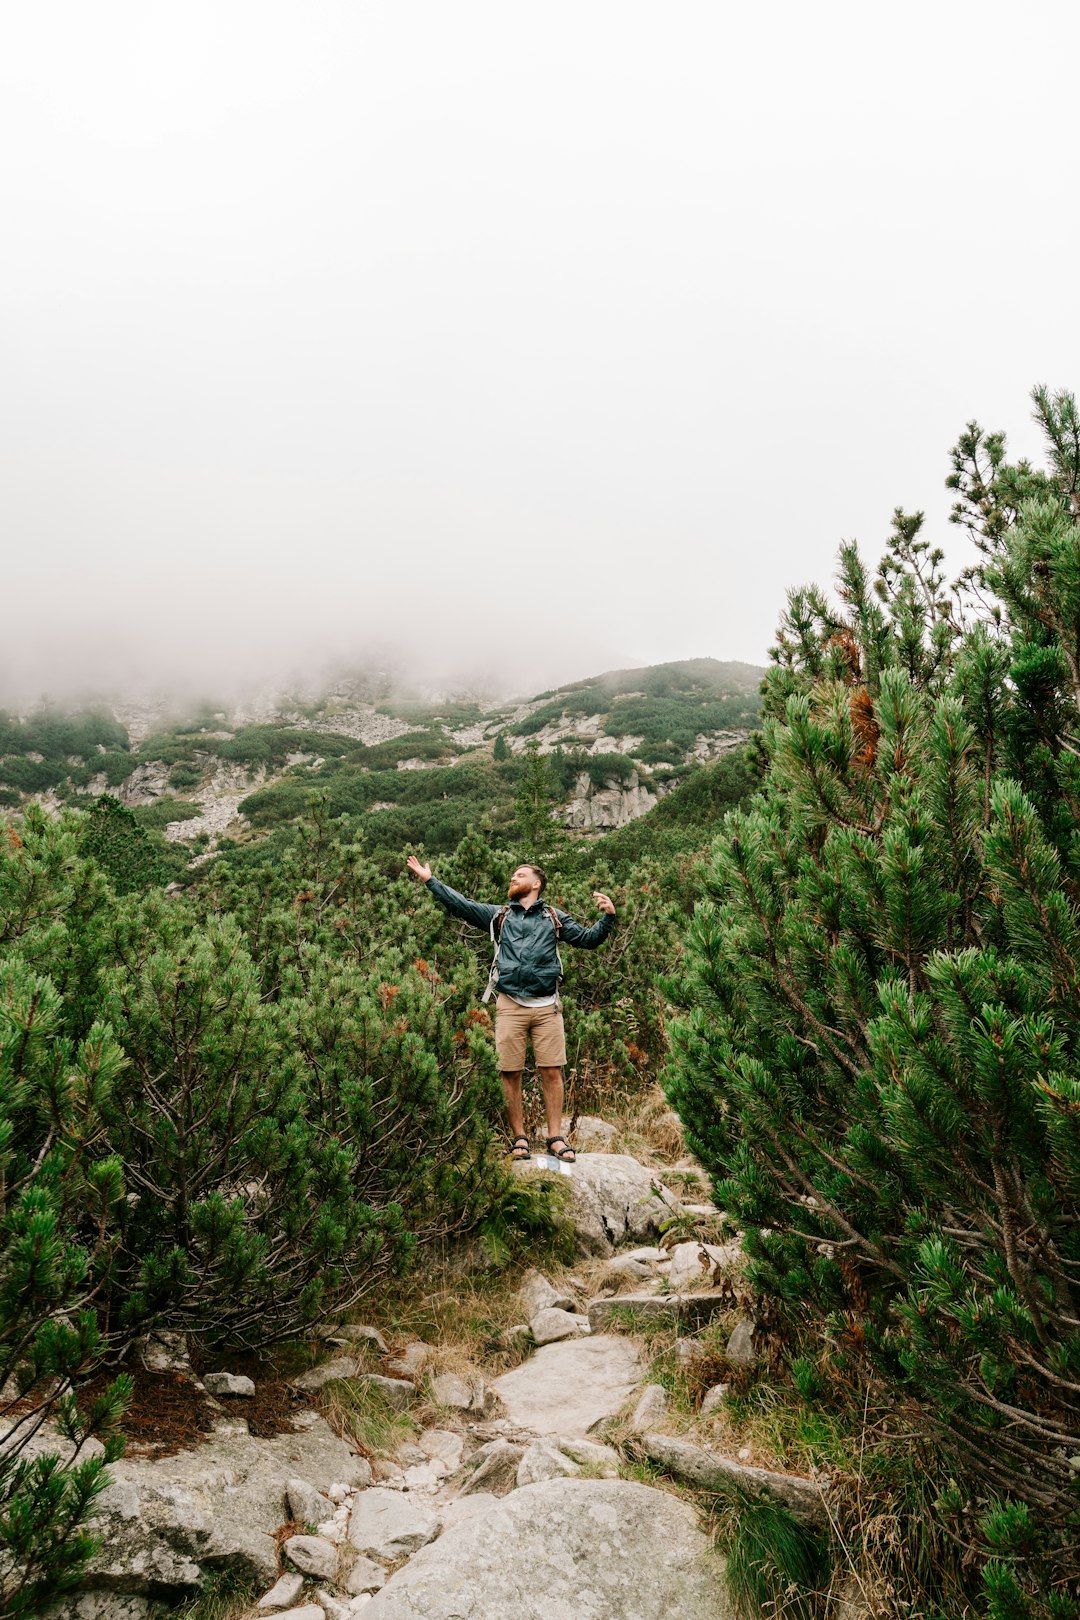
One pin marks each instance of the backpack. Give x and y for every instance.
(496, 936)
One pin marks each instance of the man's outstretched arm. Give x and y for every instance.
(575, 933)
(470, 911)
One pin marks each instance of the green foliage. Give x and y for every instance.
(877, 1053)
(501, 749)
(128, 855)
(775, 1565)
(59, 1197)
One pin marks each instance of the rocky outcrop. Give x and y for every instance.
(167, 1525)
(602, 809)
(804, 1498)
(565, 1549)
(569, 1388)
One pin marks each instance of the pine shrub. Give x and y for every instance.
(878, 1053)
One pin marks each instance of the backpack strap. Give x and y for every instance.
(495, 931)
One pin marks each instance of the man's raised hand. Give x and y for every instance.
(423, 872)
(604, 903)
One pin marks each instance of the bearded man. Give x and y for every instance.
(527, 934)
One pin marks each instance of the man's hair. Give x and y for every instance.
(541, 875)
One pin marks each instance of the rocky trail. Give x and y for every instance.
(522, 1493)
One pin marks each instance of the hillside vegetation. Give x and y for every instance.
(399, 769)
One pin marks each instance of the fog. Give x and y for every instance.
(499, 344)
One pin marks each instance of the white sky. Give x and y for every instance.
(527, 340)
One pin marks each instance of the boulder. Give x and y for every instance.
(443, 1444)
(740, 1346)
(313, 1555)
(449, 1389)
(714, 1398)
(690, 1262)
(397, 1392)
(388, 1525)
(615, 1200)
(650, 1408)
(163, 1351)
(598, 1459)
(306, 1505)
(623, 1266)
(227, 1383)
(551, 1326)
(365, 1576)
(566, 1548)
(537, 1294)
(691, 1309)
(591, 1134)
(468, 1507)
(283, 1594)
(305, 1611)
(803, 1498)
(167, 1524)
(409, 1363)
(543, 1460)
(568, 1388)
(316, 1378)
(494, 1466)
(354, 1333)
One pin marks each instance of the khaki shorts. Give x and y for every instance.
(514, 1024)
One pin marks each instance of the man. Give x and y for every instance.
(528, 934)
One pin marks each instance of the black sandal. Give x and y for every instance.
(520, 1149)
(566, 1153)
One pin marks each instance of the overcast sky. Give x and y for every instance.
(521, 340)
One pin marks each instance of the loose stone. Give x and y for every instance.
(227, 1383)
(283, 1593)
(314, 1555)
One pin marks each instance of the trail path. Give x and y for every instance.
(509, 1503)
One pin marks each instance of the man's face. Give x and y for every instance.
(522, 883)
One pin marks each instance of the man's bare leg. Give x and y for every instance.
(515, 1111)
(552, 1081)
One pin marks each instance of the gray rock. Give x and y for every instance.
(365, 1576)
(410, 1362)
(543, 1460)
(283, 1592)
(313, 1555)
(332, 1607)
(448, 1389)
(740, 1347)
(355, 1333)
(623, 1266)
(648, 1255)
(443, 1444)
(693, 1310)
(514, 1338)
(307, 1505)
(167, 1524)
(804, 1498)
(163, 1351)
(615, 1200)
(398, 1392)
(591, 1134)
(316, 1378)
(100, 1606)
(714, 1398)
(305, 1611)
(567, 1549)
(598, 1459)
(387, 1525)
(568, 1388)
(687, 1351)
(650, 1408)
(537, 1294)
(226, 1383)
(551, 1325)
(494, 1468)
(468, 1507)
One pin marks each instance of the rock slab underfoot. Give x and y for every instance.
(568, 1388)
(566, 1549)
